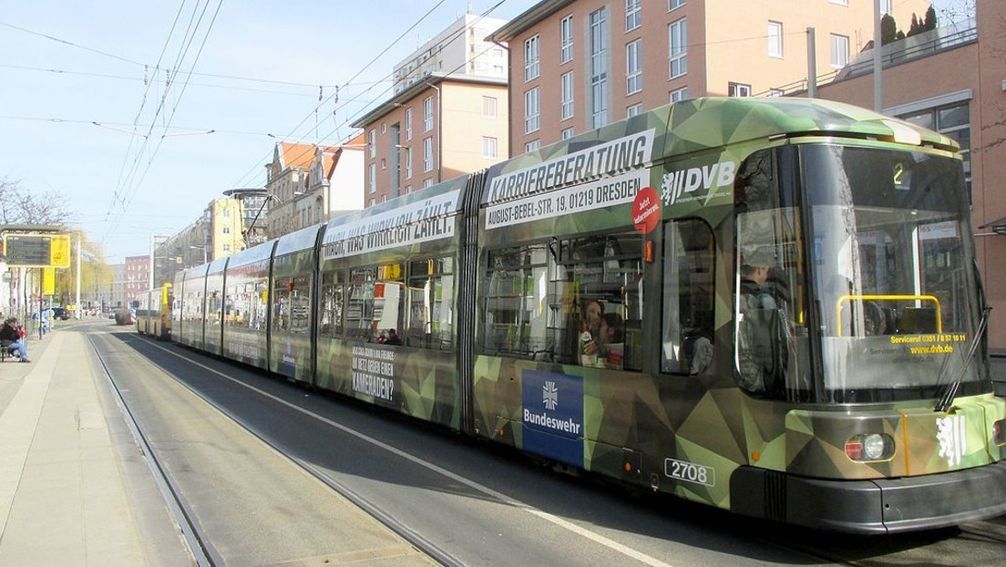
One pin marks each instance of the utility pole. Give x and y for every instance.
(878, 65)
(77, 301)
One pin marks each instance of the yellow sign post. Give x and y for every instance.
(48, 281)
(59, 251)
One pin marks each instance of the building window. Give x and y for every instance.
(776, 92)
(373, 178)
(674, 4)
(372, 202)
(372, 142)
(408, 163)
(566, 110)
(488, 147)
(489, 107)
(427, 182)
(408, 123)
(885, 6)
(384, 163)
(634, 67)
(568, 133)
(679, 94)
(634, 110)
(531, 59)
(427, 154)
(953, 121)
(566, 40)
(531, 111)
(839, 51)
(633, 15)
(775, 39)
(408, 189)
(227, 247)
(384, 127)
(678, 40)
(599, 67)
(532, 145)
(227, 230)
(739, 90)
(428, 114)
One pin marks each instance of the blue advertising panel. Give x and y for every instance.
(552, 415)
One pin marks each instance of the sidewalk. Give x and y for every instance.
(74, 488)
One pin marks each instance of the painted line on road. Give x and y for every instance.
(565, 524)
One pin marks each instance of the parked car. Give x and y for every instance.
(125, 316)
(61, 313)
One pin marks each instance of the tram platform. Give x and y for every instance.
(74, 488)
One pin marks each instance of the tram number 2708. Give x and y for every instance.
(690, 472)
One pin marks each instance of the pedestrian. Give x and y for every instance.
(12, 338)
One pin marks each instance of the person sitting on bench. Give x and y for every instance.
(11, 339)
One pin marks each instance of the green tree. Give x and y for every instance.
(930, 22)
(888, 29)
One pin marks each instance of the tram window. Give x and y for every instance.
(430, 295)
(595, 294)
(516, 318)
(331, 303)
(291, 304)
(689, 296)
(389, 301)
(360, 303)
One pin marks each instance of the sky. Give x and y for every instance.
(84, 115)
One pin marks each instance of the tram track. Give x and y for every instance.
(201, 549)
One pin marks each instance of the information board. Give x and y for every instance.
(37, 250)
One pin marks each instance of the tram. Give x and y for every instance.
(766, 305)
(153, 312)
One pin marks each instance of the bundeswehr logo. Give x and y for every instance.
(552, 415)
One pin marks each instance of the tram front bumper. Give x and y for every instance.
(876, 506)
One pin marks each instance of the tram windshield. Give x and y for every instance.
(884, 266)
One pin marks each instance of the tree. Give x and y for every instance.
(888, 29)
(916, 27)
(19, 206)
(930, 22)
(95, 273)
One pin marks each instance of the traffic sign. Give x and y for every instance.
(37, 250)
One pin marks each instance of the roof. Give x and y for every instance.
(530, 17)
(420, 86)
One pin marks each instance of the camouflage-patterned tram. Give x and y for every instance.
(770, 306)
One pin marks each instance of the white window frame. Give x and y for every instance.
(566, 101)
(675, 4)
(775, 46)
(634, 110)
(532, 110)
(427, 154)
(408, 123)
(678, 95)
(408, 163)
(428, 114)
(428, 182)
(738, 90)
(489, 107)
(373, 178)
(532, 57)
(489, 145)
(568, 133)
(633, 14)
(531, 146)
(886, 6)
(566, 40)
(677, 48)
(599, 64)
(839, 50)
(372, 143)
(633, 67)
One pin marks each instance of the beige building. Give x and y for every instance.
(307, 183)
(226, 224)
(459, 49)
(436, 129)
(954, 80)
(576, 65)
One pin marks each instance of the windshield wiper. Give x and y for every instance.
(949, 391)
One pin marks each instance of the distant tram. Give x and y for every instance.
(153, 312)
(766, 305)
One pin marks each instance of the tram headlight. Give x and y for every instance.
(869, 447)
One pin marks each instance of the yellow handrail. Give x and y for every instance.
(881, 297)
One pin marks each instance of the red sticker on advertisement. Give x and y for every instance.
(646, 210)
